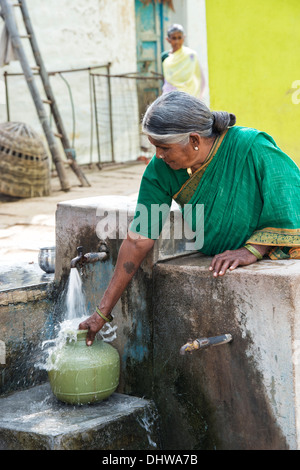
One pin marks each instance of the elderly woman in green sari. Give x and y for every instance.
(249, 189)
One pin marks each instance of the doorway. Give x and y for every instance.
(149, 39)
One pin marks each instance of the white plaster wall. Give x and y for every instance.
(296, 357)
(75, 34)
(196, 26)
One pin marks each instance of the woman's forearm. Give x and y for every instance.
(132, 253)
(130, 257)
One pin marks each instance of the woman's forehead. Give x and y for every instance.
(155, 142)
(161, 143)
(176, 35)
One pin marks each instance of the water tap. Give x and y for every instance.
(87, 258)
(204, 343)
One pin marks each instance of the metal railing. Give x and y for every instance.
(116, 105)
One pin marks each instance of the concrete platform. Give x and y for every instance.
(35, 420)
(16, 276)
(243, 395)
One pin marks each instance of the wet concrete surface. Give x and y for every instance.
(35, 420)
(15, 276)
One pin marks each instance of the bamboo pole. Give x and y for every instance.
(6, 10)
(50, 95)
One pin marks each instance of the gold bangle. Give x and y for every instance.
(108, 319)
(254, 251)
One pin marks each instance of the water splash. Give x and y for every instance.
(75, 313)
(147, 422)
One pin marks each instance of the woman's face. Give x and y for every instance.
(176, 40)
(177, 156)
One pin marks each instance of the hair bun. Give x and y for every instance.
(222, 120)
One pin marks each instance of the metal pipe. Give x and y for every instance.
(89, 258)
(54, 72)
(96, 120)
(110, 114)
(77, 259)
(7, 97)
(202, 343)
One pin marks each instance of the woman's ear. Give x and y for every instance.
(195, 139)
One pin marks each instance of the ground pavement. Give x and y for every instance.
(26, 225)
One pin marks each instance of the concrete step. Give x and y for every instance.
(35, 420)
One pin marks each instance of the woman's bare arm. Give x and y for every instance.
(132, 252)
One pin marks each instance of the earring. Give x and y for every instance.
(196, 148)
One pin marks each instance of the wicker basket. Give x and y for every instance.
(24, 162)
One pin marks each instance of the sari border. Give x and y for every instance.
(199, 173)
(272, 236)
(277, 253)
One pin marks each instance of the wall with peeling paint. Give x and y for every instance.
(75, 35)
(87, 33)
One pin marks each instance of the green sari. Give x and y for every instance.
(250, 190)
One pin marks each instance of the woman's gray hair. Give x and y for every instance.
(175, 28)
(173, 116)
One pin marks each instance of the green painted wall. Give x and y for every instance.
(254, 65)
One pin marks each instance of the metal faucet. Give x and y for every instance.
(204, 343)
(87, 258)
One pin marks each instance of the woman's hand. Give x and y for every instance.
(93, 324)
(231, 259)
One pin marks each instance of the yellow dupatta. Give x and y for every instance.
(182, 71)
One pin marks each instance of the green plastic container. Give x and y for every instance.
(84, 374)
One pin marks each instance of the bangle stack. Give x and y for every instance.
(107, 319)
(254, 251)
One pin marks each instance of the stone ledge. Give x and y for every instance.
(23, 283)
(30, 294)
(21, 276)
(35, 420)
(264, 267)
(77, 224)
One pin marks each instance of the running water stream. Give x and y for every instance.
(75, 300)
(75, 313)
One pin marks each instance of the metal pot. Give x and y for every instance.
(47, 259)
